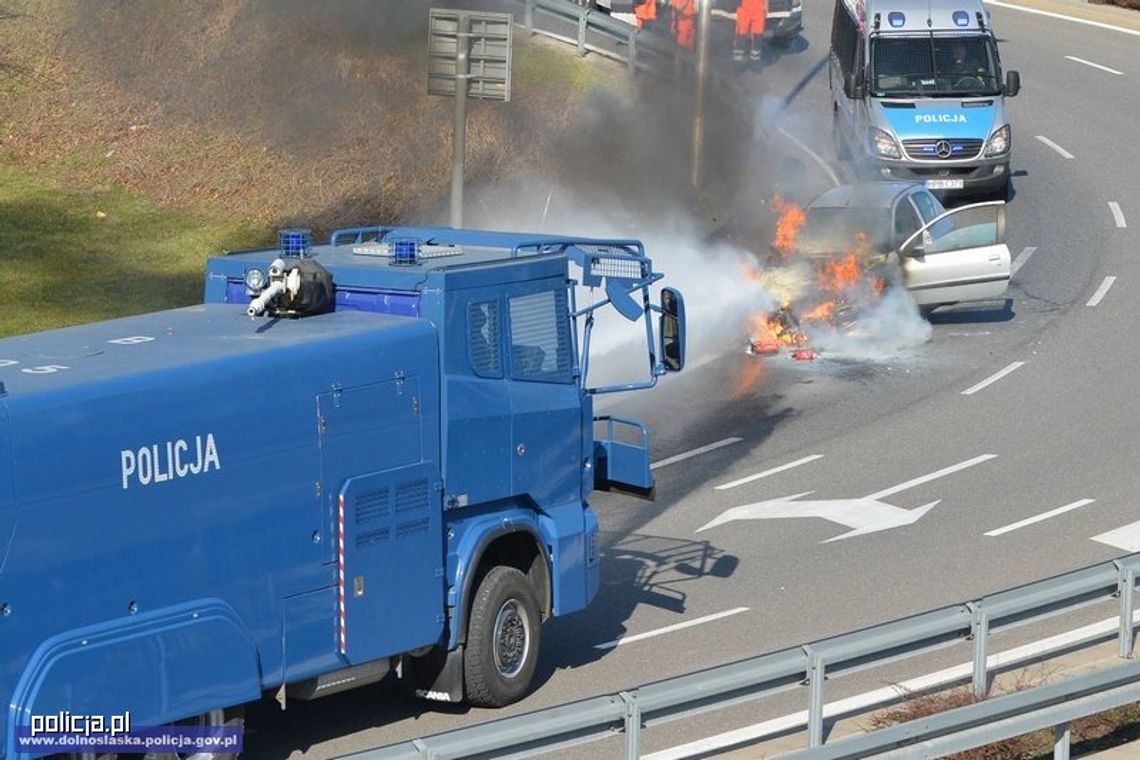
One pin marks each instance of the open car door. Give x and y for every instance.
(959, 256)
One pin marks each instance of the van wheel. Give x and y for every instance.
(841, 151)
(502, 639)
(232, 718)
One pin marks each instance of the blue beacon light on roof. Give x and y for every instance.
(961, 18)
(896, 19)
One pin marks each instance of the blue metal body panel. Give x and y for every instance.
(232, 498)
(153, 661)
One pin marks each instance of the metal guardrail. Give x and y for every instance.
(592, 31)
(812, 664)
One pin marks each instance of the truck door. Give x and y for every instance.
(386, 517)
(546, 406)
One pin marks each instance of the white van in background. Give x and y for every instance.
(918, 94)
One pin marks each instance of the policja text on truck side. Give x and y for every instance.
(382, 465)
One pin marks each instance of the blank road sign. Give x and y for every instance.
(489, 54)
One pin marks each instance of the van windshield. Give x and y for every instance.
(934, 66)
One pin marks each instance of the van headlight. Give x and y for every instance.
(884, 145)
(999, 142)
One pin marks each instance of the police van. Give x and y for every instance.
(918, 94)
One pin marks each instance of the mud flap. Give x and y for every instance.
(438, 675)
(622, 465)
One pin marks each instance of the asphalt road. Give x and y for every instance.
(1058, 428)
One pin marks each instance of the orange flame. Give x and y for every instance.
(837, 275)
(770, 329)
(822, 313)
(791, 218)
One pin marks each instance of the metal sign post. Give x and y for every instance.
(469, 55)
(703, 23)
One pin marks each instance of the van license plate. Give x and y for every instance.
(945, 184)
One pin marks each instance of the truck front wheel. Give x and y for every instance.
(502, 639)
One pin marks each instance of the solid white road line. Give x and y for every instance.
(1098, 296)
(695, 452)
(991, 379)
(1040, 518)
(932, 476)
(772, 471)
(1022, 257)
(1117, 214)
(670, 628)
(1127, 538)
(1074, 19)
(1095, 65)
(1064, 153)
(877, 697)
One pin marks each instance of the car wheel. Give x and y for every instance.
(502, 639)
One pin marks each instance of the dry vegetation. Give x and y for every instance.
(1095, 732)
(270, 111)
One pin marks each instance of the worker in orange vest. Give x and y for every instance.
(646, 13)
(683, 22)
(751, 18)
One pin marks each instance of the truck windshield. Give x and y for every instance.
(933, 66)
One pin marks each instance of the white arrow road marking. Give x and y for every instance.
(863, 515)
(1126, 538)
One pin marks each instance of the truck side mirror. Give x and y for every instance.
(852, 87)
(672, 330)
(1012, 83)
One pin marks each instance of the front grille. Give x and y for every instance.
(926, 149)
(940, 171)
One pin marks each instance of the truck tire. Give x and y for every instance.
(502, 639)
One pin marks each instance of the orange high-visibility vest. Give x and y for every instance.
(645, 13)
(683, 22)
(751, 17)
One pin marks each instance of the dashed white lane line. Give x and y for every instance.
(1117, 214)
(1095, 65)
(932, 476)
(1061, 16)
(1039, 518)
(695, 452)
(992, 379)
(1126, 538)
(1100, 293)
(1064, 153)
(766, 473)
(1022, 257)
(670, 628)
(861, 702)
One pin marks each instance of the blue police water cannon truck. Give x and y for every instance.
(352, 458)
